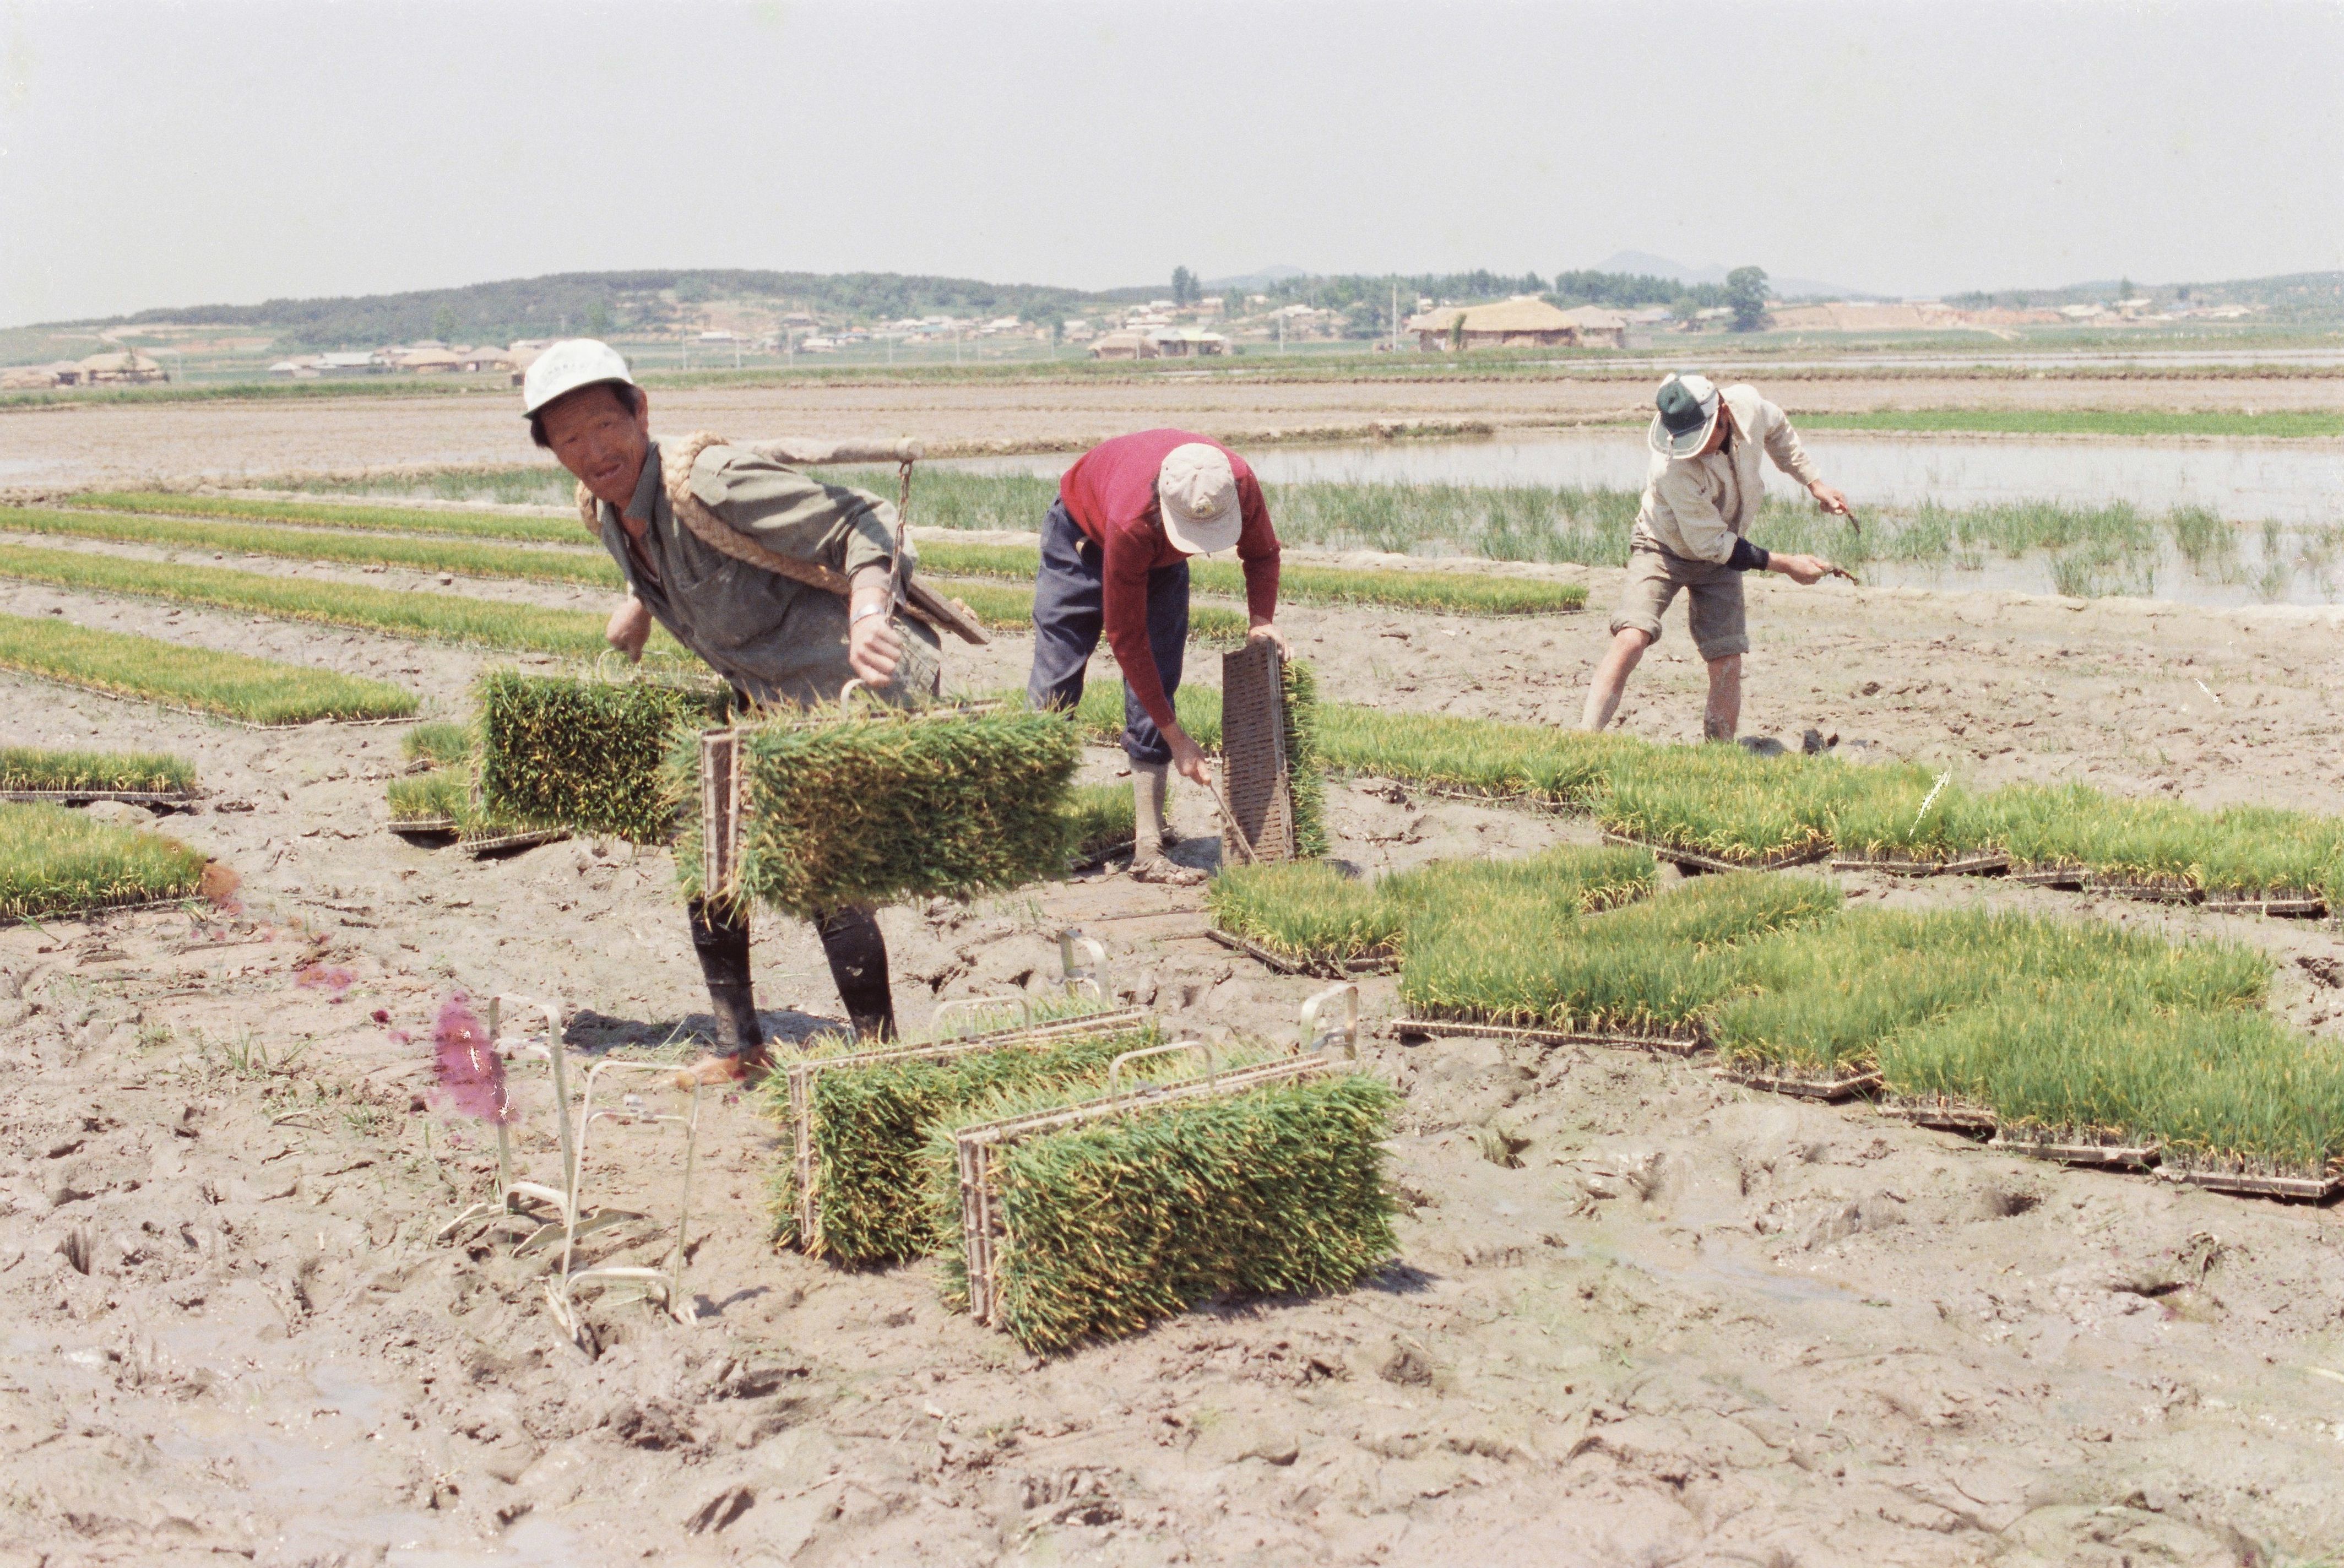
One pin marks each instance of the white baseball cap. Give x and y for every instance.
(1688, 412)
(565, 367)
(1196, 490)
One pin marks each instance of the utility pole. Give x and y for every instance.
(1395, 317)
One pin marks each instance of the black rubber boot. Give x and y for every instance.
(858, 962)
(720, 937)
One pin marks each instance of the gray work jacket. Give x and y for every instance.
(775, 639)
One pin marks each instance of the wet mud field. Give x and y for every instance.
(1673, 1322)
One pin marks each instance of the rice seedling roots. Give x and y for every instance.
(2252, 1179)
(1325, 966)
(1803, 1086)
(1989, 863)
(1408, 1028)
(1946, 1115)
(2068, 1146)
(1695, 861)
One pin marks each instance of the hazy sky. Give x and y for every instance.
(231, 150)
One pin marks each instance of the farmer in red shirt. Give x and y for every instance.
(1114, 556)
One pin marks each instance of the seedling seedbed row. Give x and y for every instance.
(1377, 961)
(1694, 860)
(1410, 1028)
(91, 796)
(1986, 863)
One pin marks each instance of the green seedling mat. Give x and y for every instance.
(977, 1146)
(1320, 965)
(801, 1076)
(91, 796)
(1700, 861)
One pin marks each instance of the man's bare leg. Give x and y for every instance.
(1722, 717)
(1611, 677)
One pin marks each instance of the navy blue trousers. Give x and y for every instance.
(1069, 614)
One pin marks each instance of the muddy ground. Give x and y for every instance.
(226, 442)
(1692, 1325)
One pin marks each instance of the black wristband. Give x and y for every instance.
(1747, 557)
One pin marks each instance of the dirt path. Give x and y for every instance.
(224, 443)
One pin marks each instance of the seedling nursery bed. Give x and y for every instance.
(1694, 860)
(1987, 863)
(1428, 1029)
(1325, 966)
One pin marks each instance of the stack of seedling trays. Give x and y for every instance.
(1276, 793)
(861, 806)
(857, 1121)
(1074, 1217)
(560, 754)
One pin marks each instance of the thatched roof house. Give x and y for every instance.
(1596, 328)
(1523, 321)
(129, 368)
(1123, 346)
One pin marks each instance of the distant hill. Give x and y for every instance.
(2291, 297)
(613, 302)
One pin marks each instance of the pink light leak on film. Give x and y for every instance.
(471, 1075)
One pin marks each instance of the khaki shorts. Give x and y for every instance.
(1713, 601)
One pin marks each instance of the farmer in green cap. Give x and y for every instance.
(1700, 498)
(730, 551)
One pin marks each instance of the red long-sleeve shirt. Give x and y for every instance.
(1110, 493)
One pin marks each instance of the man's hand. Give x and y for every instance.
(629, 628)
(1188, 756)
(1831, 500)
(1266, 632)
(875, 648)
(1805, 569)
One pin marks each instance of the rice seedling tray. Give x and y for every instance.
(2254, 1178)
(1942, 1112)
(806, 1205)
(2049, 876)
(1804, 1086)
(1697, 861)
(1671, 1045)
(499, 842)
(2068, 1146)
(1379, 961)
(978, 1149)
(425, 826)
(1981, 864)
(2306, 906)
(2156, 891)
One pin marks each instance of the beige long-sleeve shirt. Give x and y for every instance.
(1696, 508)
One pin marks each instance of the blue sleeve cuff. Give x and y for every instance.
(1747, 557)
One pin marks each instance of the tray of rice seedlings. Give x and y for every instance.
(55, 861)
(2046, 830)
(71, 778)
(1648, 973)
(863, 806)
(2248, 1105)
(1072, 1218)
(1100, 825)
(1723, 808)
(2259, 860)
(1905, 821)
(1472, 759)
(857, 1119)
(587, 754)
(431, 803)
(236, 688)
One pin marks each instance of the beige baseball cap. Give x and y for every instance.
(1198, 492)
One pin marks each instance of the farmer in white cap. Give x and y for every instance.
(673, 515)
(1701, 497)
(1114, 558)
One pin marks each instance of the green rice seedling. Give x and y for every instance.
(2261, 852)
(54, 861)
(442, 795)
(1309, 911)
(869, 810)
(587, 754)
(517, 526)
(437, 617)
(1305, 772)
(1653, 967)
(1471, 756)
(231, 685)
(2089, 421)
(1910, 815)
(440, 742)
(1110, 1225)
(1100, 821)
(1823, 1000)
(464, 557)
(2239, 1090)
(2046, 827)
(1726, 803)
(127, 773)
(866, 1123)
